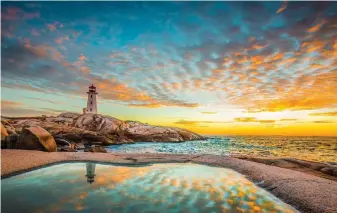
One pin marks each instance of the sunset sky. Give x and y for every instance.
(221, 68)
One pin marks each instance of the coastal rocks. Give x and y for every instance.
(69, 115)
(62, 142)
(65, 145)
(132, 131)
(98, 123)
(36, 138)
(139, 132)
(96, 149)
(11, 141)
(317, 168)
(4, 133)
(108, 130)
(9, 128)
(77, 135)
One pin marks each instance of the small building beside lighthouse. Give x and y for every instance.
(92, 101)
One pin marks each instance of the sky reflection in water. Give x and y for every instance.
(155, 188)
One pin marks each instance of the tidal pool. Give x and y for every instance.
(90, 187)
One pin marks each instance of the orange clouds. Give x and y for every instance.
(324, 114)
(209, 113)
(85, 70)
(316, 27)
(288, 119)
(82, 58)
(195, 122)
(59, 40)
(14, 13)
(323, 122)
(277, 57)
(256, 60)
(283, 7)
(252, 119)
(8, 104)
(320, 94)
(146, 105)
(113, 89)
(176, 86)
(257, 47)
(245, 119)
(51, 27)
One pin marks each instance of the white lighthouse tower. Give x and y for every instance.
(91, 172)
(92, 101)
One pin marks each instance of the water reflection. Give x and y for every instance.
(90, 172)
(156, 188)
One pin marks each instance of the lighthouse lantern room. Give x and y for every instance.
(92, 101)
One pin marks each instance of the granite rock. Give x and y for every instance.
(36, 138)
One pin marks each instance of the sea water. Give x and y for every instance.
(322, 149)
(90, 187)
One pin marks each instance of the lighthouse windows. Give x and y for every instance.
(90, 109)
(90, 102)
(90, 96)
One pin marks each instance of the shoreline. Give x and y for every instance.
(302, 190)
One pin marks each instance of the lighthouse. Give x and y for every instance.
(90, 172)
(92, 101)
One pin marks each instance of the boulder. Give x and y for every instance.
(9, 128)
(36, 138)
(95, 149)
(11, 141)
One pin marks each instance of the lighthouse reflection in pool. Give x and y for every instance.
(87, 187)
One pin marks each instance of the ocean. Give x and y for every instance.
(319, 149)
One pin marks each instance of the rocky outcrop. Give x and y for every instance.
(9, 128)
(4, 133)
(100, 129)
(36, 138)
(132, 131)
(316, 168)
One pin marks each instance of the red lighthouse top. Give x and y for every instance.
(92, 88)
